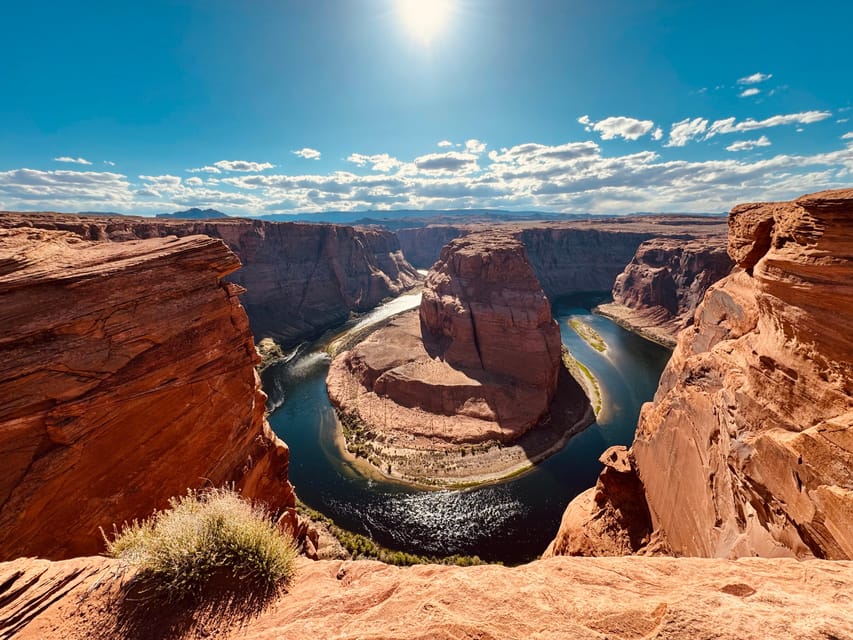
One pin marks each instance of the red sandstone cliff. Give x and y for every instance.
(748, 446)
(300, 279)
(659, 290)
(126, 376)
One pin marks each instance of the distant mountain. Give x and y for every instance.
(400, 218)
(195, 214)
(100, 213)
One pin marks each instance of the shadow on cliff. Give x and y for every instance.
(226, 604)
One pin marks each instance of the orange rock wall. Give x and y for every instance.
(126, 376)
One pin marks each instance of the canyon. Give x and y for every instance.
(475, 368)
(747, 448)
(299, 279)
(127, 376)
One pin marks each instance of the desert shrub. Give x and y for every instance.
(207, 539)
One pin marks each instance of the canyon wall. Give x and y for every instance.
(658, 291)
(127, 376)
(300, 279)
(422, 245)
(748, 446)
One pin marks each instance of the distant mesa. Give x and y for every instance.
(195, 214)
(439, 394)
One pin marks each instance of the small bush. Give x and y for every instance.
(207, 539)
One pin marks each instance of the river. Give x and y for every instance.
(511, 521)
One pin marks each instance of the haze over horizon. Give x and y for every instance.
(279, 107)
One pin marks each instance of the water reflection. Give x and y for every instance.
(511, 521)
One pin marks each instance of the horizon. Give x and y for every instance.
(369, 107)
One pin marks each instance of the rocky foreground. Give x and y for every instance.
(559, 598)
(474, 369)
(127, 376)
(748, 446)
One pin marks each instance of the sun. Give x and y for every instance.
(424, 19)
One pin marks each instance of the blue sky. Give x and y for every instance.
(560, 105)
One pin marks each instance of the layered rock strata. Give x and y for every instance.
(127, 376)
(582, 598)
(748, 446)
(478, 363)
(658, 291)
(300, 279)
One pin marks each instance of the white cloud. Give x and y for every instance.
(746, 93)
(847, 136)
(657, 134)
(194, 182)
(445, 143)
(163, 183)
(377, 162)
(748, 145)
(730, 125)
(451, 161)
(755, 78)
(307, 153)
(33, 189)
(243, 165)
(474, 146)
(109, 163)
(618, 126)
(205, 169)
(72, 160)
(686, 130)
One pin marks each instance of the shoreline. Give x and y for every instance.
(633, 321)
(470, 465)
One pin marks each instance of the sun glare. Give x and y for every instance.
(424, 19)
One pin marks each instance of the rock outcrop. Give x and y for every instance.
(658, 292)
(300, 279)
(748, 446)
(579, 598)
(127, 376)
(478, 363)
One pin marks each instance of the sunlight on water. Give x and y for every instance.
(511, 521)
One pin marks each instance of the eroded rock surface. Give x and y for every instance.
(583, 598)
(127, 376)
(479, 362)
(659, 290)
(300, 279)
(748, 446)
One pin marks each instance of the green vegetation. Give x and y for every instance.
(589, 335)
(211, 538)
(362, 547)
(585, 378)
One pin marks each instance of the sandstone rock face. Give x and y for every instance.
(748, 446)
(611, 519)
(422, 245)
(479, 362)
(126, 372)
(583, 598)
(661, 287)
(300, 279)
(483, 309)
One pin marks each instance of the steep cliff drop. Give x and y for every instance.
(127, 376)
(748, 446)
(658, 292)
(434, 396)
(300, 279)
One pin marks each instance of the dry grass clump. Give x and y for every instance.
(207, 540)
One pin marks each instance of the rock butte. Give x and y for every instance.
(658, 292)
(558, 598)
(747, 448)
(126, 372)
(300, 279)
(479, 362)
